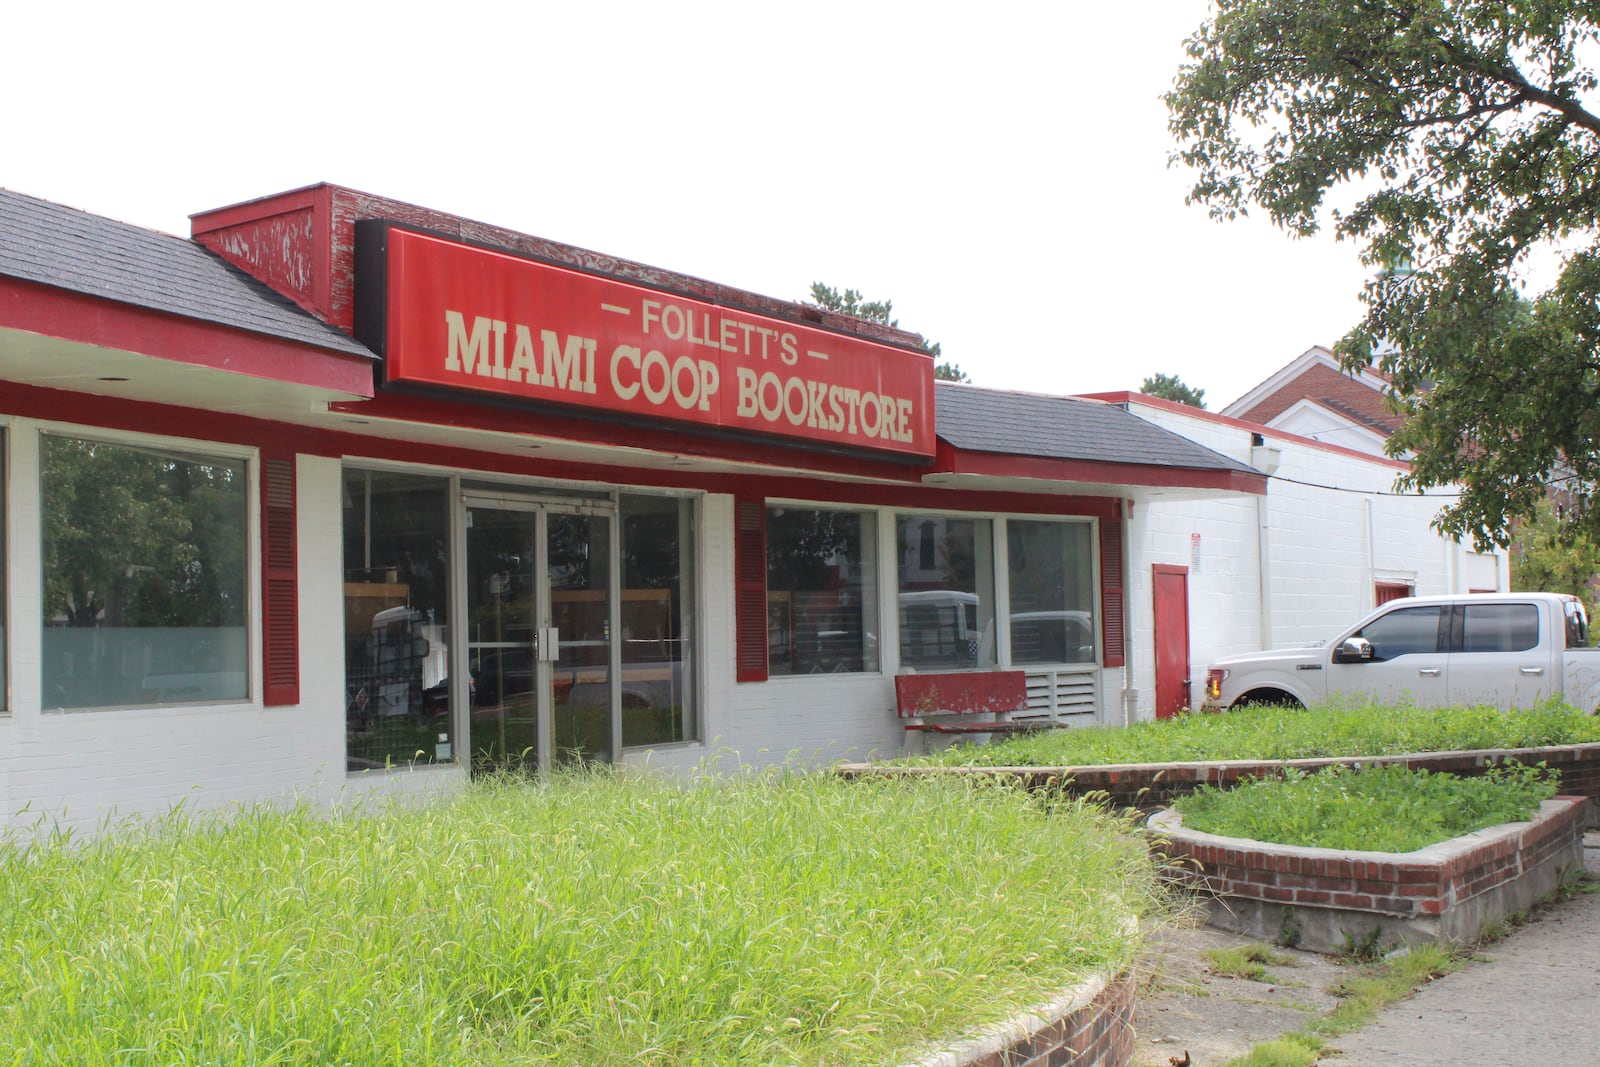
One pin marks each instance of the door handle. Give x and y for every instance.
(1428, 672)
(549, 643)
(1530, 670)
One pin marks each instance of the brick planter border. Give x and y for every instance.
(1090, 1025)
(1153, 786)
(1328, 899)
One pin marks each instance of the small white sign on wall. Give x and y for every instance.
(1194, 553)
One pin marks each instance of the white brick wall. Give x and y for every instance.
(1334, 526)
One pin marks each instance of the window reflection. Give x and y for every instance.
(144, 575)
(396, 619)
(1051, 572)
(658, 623)
(822, 591)
(946, 591)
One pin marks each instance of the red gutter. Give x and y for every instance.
(1241, 424)
(92, 320)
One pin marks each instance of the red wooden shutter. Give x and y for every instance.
(750, 588)
(1111, 584)
(280, 591)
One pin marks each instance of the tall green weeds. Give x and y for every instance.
(1378, 809)
(1265, 733)
(596, 918)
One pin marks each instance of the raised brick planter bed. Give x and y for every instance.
(1090, 1025)
(1327, 899)
(1152, 786)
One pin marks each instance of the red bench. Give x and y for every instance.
(964, 702)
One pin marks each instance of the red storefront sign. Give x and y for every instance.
(467, 318)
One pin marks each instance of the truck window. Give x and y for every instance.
(1577, 624)
(1404, 632)
(1499, 627)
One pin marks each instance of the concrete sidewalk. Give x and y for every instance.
(1535, 1000)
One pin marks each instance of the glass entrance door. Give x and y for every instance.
(540, 598)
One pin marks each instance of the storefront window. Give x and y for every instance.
(1051, 570)
(658, 624)
(144, 575)
(4, 689)
(822, 591)
(396, 619)
(946, 592)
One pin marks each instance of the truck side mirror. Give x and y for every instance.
(1354, 650)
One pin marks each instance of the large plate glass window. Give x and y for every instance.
(4, 689)
(396, 619)
(822, 591)
(144, 560)
(946, 591)
(658, 620)
(1051, 570)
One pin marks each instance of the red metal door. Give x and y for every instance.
(1171, 604)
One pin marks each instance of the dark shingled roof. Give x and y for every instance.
(83, 253)
(1061, 427)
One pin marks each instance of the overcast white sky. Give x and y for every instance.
(998, 170)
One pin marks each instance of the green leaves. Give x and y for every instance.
(1461, 137)
(1375, 809)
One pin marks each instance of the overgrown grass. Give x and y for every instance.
(1362, 996)
(594, 919)
(1377, 809)
(1246, 961)
(1283, 733)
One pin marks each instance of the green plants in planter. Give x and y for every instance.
(1376, 809)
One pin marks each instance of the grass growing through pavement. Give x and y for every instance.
(1246, 961)
(595, 919)
(1377, 809)
(1266, 733)
(1362, 996)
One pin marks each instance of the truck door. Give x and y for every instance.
(1499, 656)
(1409, 659)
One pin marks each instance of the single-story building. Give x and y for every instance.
(343, 495)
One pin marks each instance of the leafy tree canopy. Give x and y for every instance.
(1549, 557)
(1463, 139)
(1171, 387)
(850, 302)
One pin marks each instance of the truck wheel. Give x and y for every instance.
(1275, 698)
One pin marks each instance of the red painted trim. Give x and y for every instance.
(1043, 468)
(1241, 424)
(1169, 568)
(91, 320)
(280, 581)
(750, 589)
(83, 409)
(443, 411)
(264, 207)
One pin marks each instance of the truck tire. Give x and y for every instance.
(1276, 698)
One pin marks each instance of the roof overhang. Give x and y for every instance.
(58, 339)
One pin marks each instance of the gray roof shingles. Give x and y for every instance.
(1060, 427)
(70, 249)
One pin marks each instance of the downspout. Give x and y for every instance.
(1130, 697)
(1265, 459)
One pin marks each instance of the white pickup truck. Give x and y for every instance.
(1514, 650)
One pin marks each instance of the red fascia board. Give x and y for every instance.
(60, 405)
(1241, 424)
(211, 229)
(260, 208)
(90, 320)
(1050, 469)
(166, 420)
(620, 432)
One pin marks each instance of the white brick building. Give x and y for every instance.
(345, 496)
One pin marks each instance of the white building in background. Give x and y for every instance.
(1329, 540)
